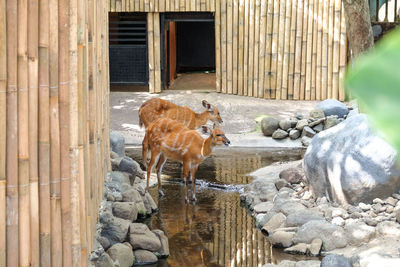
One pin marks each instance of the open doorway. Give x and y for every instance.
(189, 51)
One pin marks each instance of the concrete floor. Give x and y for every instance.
(238, 112)
(194, 81)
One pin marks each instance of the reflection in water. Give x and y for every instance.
(216, 231)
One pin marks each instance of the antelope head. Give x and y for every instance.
(213, 111)
(217, 135)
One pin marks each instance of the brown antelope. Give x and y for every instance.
(169, 139)
(155, 108)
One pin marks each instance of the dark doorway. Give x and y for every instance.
(128, 51)
(189, 51)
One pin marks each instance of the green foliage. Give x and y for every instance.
(375, 81)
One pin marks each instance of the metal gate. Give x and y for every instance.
(128, 49)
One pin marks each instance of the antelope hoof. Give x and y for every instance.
(194, 199)
(160, 193)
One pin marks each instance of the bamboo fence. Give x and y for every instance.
(282, 49)
(54, 129)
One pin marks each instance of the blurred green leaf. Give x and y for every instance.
(375, 81)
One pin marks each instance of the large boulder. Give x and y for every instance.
(128, 165)
(350, 163)
(117, 143)
(144, 257)
(269, 125)
(334, 260)
(113, 228)
(121, 253)
(333, 107)
(332, 236)
(140, 237)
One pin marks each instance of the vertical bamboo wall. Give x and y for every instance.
(280, 49)
(54, 129)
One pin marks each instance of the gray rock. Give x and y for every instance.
(281, 239)
(119, 177)
(398, 216)
(361, 164)
(104, 242)
(306, 141)
(364, 207)
(299, 116)
(131, 195)
(334, 260)
(114, 155)
(121, 253)
(149, 204)
(308, 131)
(280, 134)
(144, 257)
(128, 165)
(377, 30)
(332, 236)
(391, 201)
(317, 113)
(117, 143)
(285, 124)
(359, 233)
(298, 218)
(261, 219)
(274, 223)
(316, 122)
(300, 248)
(292, 175)
(331, 121)
(301, 124)
(115, 163)
(288, 206)
(125, 210)
(319, 127)
(388, 228)
(294, 134)
(104, 261)
(140, 237)
(263, 207)
(312, 263)
(113, 228)
(164, 251)
(280, 183)
(333, 107)
(335, 212)
(269, 125)
(371, 222)
(315, 247)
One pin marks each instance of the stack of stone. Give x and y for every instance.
(120, 240)
(327, 114)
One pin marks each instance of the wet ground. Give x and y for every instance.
(216, 231)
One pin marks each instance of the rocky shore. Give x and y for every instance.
(120, 239)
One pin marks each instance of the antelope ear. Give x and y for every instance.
(205, 129)
(206, 104)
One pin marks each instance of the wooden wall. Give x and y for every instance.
(275, 49)
(54, 129)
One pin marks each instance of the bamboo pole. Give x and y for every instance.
(246, 48)
(268, 50)
(261, 55)
(240, 47)
(193, 5)
(304, 51)
(3, 131)
(256, 46)
(113, 5)
(286, 51)
(198, 5)
(223, 46)
(74, 130)
(161, 7)
(343, 54)
(182, 5)
(56, 236)
(330, 45)
(314, 49)
(65, 186)
(177, 5)
(167, 6)
(309, 50)
(44, 136)
(12, 137)
(324, 60)
(319, 51)
(281, 44)
(274, 52)
(250, 76)
(150, 38)
(218, 77)
(235, 47)
(142, 6)
(336, 50)
(147, 5)
(157, 56)
(229, 54)
(292, 46)
(23, 136)
(297, 62)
